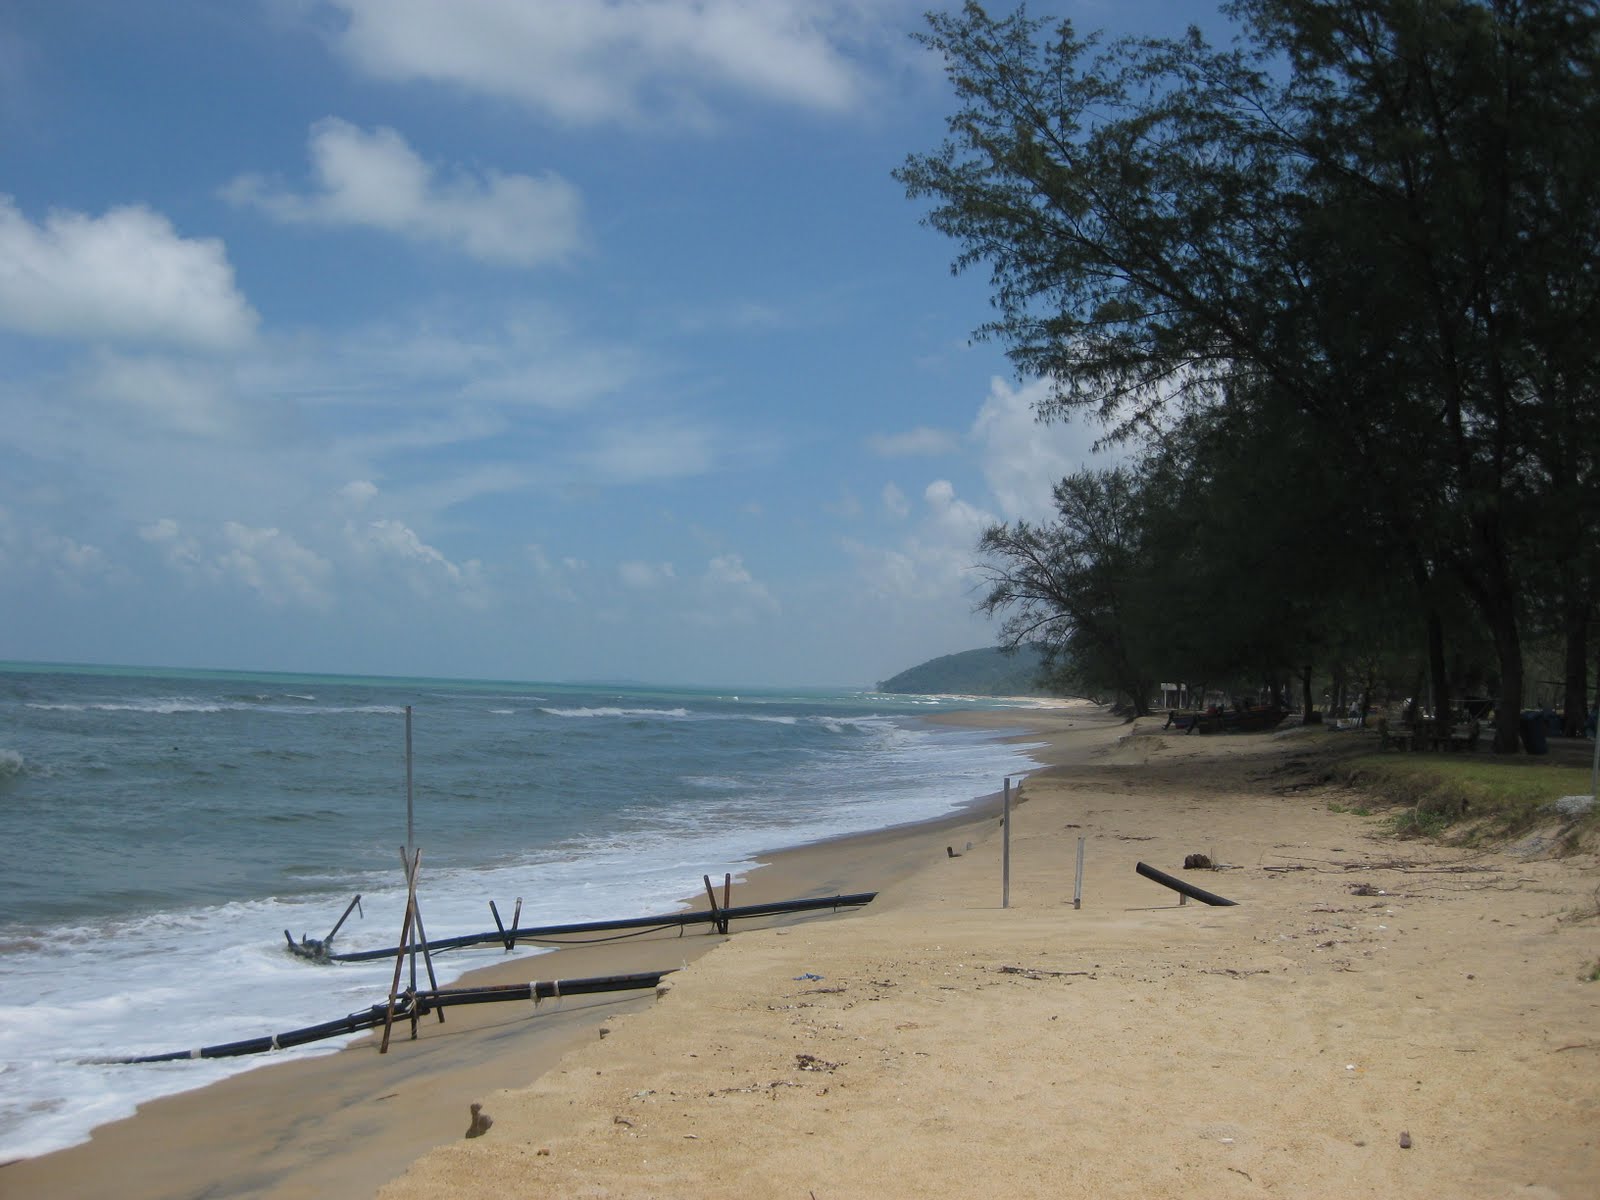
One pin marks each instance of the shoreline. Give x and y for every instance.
(1372, 1017)
(342, 1123)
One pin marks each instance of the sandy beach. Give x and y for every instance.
(1373, 1017)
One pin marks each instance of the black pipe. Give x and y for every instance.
(1178, 885)
(423, 1002)
(701, 916)
(543, 989)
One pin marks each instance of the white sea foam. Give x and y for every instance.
(180, 706)
(616, 712)
(11, 763)
(83, 990)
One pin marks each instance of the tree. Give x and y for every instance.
(1377, 217)
(1077, 587)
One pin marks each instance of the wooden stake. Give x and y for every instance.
(394, 985)
(422, 936)
(1077, 882)
(717, 919)
(1005, 851)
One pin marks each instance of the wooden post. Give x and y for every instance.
(495, 913)
(422, 935)
(516, 917)
(394, 985)
(1077, 879)
(727, 892)
(716, 912)
(349, 908)
(1005, 850)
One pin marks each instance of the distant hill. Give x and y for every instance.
(987, 672)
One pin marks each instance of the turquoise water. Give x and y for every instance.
(164, 827)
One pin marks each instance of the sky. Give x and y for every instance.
(512, 339)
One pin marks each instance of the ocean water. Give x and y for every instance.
(162, 830)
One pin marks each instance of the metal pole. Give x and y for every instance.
(1005, 851)
(411, 842)
(1077, 880)
(408, 858)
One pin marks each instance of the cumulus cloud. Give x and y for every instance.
(919, 442)
(376, 180)
(728, 573)
(171, 395)
(1022, 458)
(393, 546)
(610, 60)
(275, 566)
(180, 551)
(936, 559)
(125, 276)
(28, 548)
(359, 493)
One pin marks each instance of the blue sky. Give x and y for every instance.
(494, 338)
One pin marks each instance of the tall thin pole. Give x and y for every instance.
(411, 842)
(1005, 852)
(1077, 879)
(408, 857)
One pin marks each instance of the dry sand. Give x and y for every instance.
(937, 1045)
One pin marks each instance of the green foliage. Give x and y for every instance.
(1497, 796)
(986, 672)
(1078, 587)
(1346, 267)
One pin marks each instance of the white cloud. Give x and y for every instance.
(124, 276)
(27, 548)
(935, 560)
(376, 180)
(919, 442)
(184, 396)
(275, 566)
(1023, 458)
(643, 576)
(180, 551)
(895, 502)
(732, 593)
(359, 492)
(393, 546)
(611, 60)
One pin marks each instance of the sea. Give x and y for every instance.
(164, 829)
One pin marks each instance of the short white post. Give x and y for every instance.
(1077, 882)
(1005, 851)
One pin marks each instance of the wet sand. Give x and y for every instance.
(341, 1125)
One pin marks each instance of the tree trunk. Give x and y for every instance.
(1576, 705)
(1436, 667)
(1305, 694)
(1508, 706)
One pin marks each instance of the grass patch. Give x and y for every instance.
(1490, 796)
